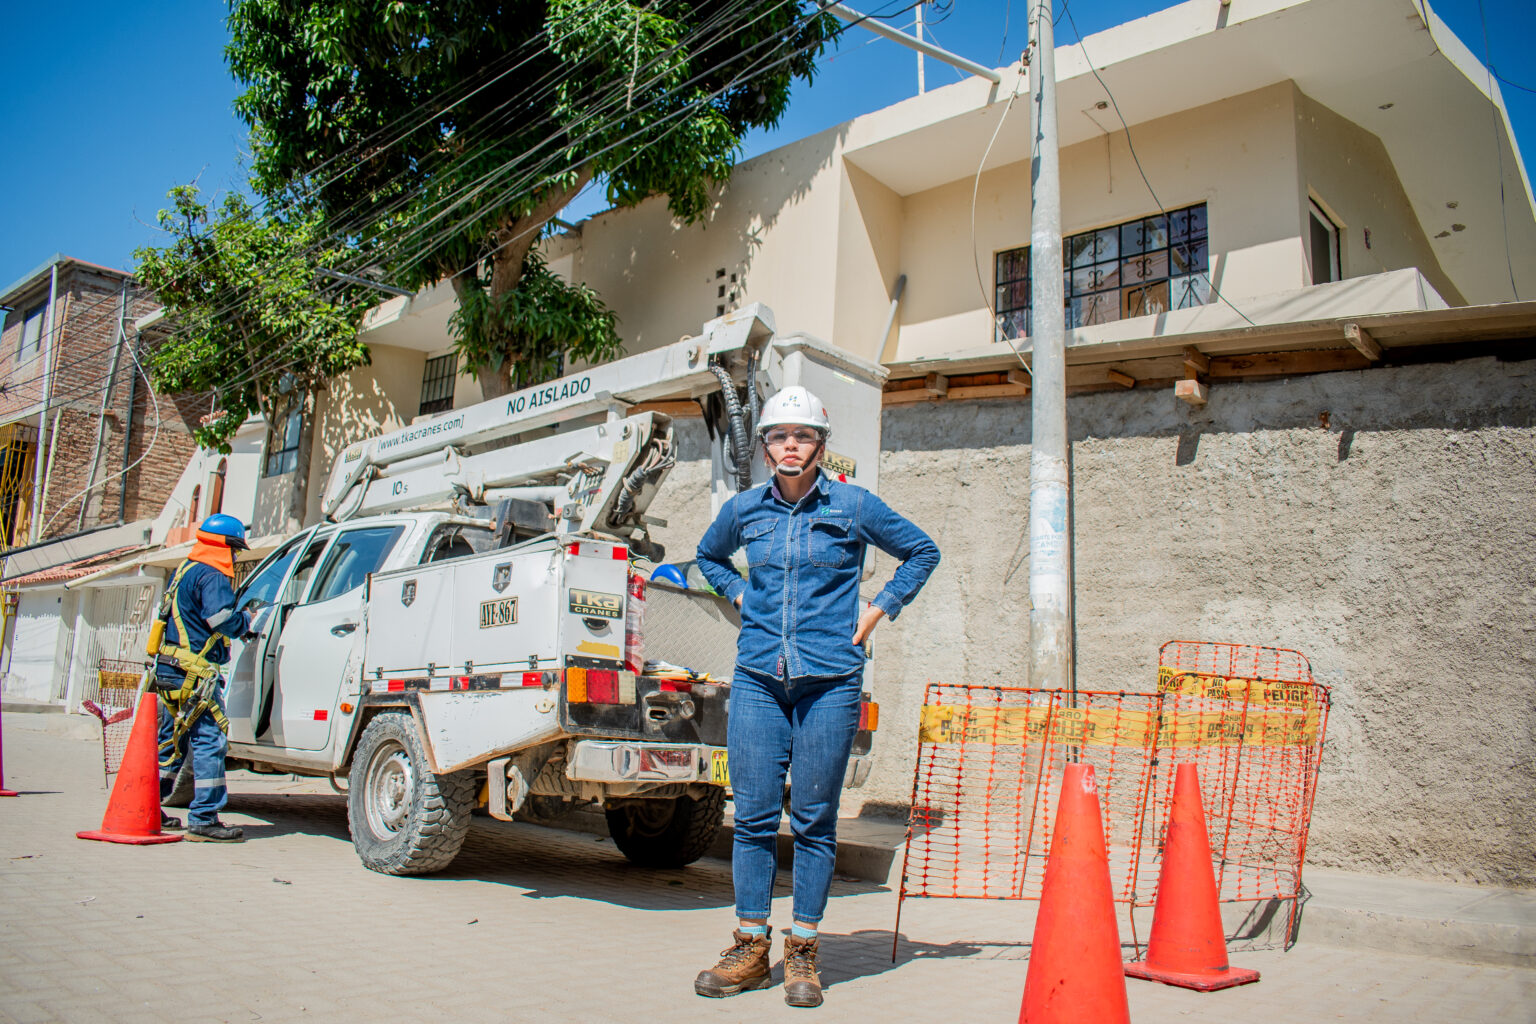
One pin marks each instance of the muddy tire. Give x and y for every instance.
(405, 820)
(181, 793)
(666, 833)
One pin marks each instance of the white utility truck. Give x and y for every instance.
(473, 622)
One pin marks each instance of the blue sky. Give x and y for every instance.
(107, 105)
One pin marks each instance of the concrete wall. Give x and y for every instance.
(1348, 172)
(1391, 545)
(771, 229)
(368, 400)
(242, 472)
(365, 401)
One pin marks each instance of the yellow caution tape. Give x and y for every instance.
(1107, 727)
(1265, 692)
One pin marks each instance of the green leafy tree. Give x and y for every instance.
(443, 135)
(252, 322)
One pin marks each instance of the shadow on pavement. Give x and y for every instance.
(871, 953)
(293, 814)
(548, 863)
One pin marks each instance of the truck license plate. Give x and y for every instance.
(501, 612)
(719, 768)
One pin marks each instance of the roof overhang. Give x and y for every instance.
(1317, 319)
(169, 558)
(1444, 127)
(419, 322)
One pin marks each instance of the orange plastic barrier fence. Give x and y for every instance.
(990, 760)
(117, 697)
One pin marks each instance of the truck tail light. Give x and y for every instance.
(621, 554)
(602, 686)
(869, 716)
(595, 686)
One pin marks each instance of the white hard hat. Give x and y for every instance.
(794, 406)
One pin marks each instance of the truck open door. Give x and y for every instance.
(320, 651)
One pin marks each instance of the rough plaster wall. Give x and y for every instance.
(1393, 546)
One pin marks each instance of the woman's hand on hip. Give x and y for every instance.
(866, 625)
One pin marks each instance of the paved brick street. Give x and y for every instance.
(530, 924)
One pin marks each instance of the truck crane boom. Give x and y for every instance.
(602, 466)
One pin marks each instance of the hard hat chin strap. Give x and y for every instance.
(793, 471)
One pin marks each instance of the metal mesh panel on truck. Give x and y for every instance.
(690, 628)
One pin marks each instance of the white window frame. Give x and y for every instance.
(38, 315)
(1335, 258)
(277, 446)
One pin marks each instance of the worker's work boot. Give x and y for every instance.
(168, 823)
(802, 971)
(215, 832)
(743, 966)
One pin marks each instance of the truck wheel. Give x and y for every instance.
(181, 793)
(666, 833)
(405, 820)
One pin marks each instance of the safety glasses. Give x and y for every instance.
(777, 438)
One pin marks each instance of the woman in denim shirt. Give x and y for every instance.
(799, 673)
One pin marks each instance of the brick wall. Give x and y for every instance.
(90, 394)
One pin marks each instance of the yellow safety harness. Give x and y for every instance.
(199, 692)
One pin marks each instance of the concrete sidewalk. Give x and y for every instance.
(534, 924)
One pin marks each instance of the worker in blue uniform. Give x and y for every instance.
(200, 619)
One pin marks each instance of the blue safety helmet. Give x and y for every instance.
(228, 527)
(669, 573)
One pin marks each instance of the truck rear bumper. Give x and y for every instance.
(633, 761)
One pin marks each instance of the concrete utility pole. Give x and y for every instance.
(1050, 553)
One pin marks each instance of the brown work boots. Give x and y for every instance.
(742, 967)
(745, 966)
(802, 974)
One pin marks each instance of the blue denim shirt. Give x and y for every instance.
(801, 601)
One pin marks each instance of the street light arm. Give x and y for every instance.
(879, 28)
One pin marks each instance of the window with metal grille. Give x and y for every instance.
(437, 381)
(1144, 266)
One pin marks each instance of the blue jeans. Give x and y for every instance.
(208, 744)
(773, 724)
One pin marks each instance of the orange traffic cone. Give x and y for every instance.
(133, 811)
(1074, 961)
(1187, 947)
